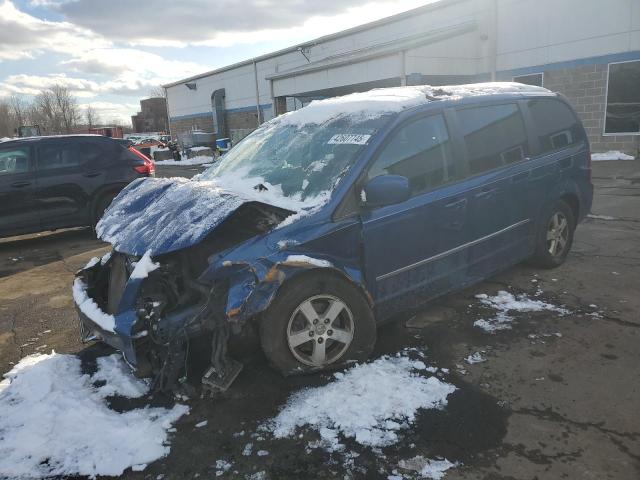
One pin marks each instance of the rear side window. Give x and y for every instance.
(58, 155)
(419, 150)
(494, 136)
(556, 125)
(14, 160)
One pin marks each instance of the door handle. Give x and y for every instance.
(20, 184)
(92, 174)
(457, 204)
(565, 163)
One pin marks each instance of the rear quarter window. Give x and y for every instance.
(555, 124)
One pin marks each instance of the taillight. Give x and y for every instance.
(149, 168)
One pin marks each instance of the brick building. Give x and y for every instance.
(588, 52)
(152, 116)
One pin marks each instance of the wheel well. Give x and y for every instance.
(573, 202)
(112, 191)
(329, 272)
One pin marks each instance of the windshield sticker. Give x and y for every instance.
(349, 139)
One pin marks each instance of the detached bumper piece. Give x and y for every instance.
(224, 369)
(215, 382)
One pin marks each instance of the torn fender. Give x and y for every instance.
(252, 289)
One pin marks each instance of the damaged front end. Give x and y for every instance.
(153, 319)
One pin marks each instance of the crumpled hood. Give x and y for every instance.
(165, 214)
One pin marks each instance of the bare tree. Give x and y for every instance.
(66, 106)
(18, 109)
(7, 122)
(157, 91)
(91, 116)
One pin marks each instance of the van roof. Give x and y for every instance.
(380, 101)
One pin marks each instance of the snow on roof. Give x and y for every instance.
(380, 101)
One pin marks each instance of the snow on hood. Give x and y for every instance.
(164, 214)
(380, 101)
(161, 215)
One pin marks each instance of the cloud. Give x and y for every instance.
(25, 36)
(130, 71)
(34, 84)
(109, 111)
(220, 23)
(116, 71)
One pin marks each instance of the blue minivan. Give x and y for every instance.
(328, 220)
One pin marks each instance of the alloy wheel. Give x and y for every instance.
(557, 234)
(320, 330)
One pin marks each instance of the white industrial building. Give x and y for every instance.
(589, 50)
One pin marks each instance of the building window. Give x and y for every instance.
(536, 79)
(623, 99)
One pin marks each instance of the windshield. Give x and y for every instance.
(294, 162)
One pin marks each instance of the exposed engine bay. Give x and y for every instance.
(173, 306)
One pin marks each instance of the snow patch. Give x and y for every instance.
(370, 403)
(90, 308)
(426, 468)
(118, 379)
(610, 155)
(222, 466)
(91, 263)
(144, 266)
(601, 217)
(312, 261)
(475, 358)
(198, 160)
(55, 421)
(506, 302)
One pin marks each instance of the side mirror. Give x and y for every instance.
(386, 190)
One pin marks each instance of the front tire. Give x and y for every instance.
(317, 323)
(555, 236)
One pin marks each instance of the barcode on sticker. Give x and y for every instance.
(349, 139)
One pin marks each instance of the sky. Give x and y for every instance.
(112, 53)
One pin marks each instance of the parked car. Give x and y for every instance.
(48, 183)
(327, 221)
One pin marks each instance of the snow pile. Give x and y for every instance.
(199, 160)
(144, 266)
(90, 308)
(380, 101)
(55, 422)
(426, 468)
(370, 403)
(610, 155)
(506, 302)
(117, 378)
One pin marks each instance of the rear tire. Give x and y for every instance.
(555, 236)
(101, 205)
(320, 322)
